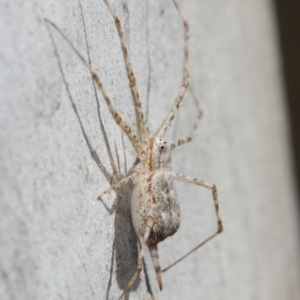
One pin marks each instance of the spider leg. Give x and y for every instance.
(141, 126)
(118, 185)
(126, 128)
(213, 188)
(155, 260)
(139, 267)
(191, 134)
(185, 80)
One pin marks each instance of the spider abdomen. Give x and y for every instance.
(154, 196)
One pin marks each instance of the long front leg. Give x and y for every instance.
(192, 132)
(213, 188)
(141, 126)
(124, 125)
(185, 80)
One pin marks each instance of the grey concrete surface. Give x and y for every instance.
(60, 148)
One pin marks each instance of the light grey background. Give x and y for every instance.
(57, 241)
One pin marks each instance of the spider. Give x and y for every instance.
(155, 209)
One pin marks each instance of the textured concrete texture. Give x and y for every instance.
(60, 148)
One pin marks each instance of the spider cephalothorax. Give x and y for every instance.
(156, 152)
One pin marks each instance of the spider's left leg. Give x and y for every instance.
(213, 188)
(139, 267)
(119, 121)
(141, 126)
(191, 134)
(118, 185)
(185, 80)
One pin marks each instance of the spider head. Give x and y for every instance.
(159, 145)
(157, 153)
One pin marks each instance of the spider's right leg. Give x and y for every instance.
(126, 128)
(185, 80)
(188, 138)
(141, 126)
(213, 188)
(118, 185)
(139, 267)
(155, 260)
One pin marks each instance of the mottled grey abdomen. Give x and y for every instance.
(155, 196)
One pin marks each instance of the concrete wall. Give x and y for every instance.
(60, 148)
